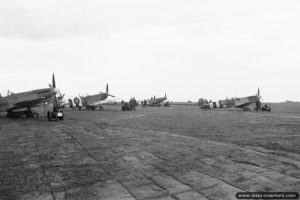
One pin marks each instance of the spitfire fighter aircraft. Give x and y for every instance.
(156, 101)
(242, 102)
(90, 101)
(18, 104)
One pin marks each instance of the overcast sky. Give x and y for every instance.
(188, 49)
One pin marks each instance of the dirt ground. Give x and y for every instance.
(177, 152)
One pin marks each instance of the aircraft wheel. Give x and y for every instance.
(35, 115)
(61, 118)
(28, 114)
(246, 109)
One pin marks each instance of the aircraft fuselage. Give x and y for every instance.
(25, 99)
(92, 99)
(229, 103)
(156, 101)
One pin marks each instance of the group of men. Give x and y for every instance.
(132, 103)
(258, 107)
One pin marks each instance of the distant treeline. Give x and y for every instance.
(185, 103)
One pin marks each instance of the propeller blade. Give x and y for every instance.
(107, 88)
(55, 102)
(53, 81)
(258, 92)
(61, 96)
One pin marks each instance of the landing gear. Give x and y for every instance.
(246, 108)
(55, 115)
(34, 115)
(95, 107)
(28, 113)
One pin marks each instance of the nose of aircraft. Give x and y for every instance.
(110, 95)
(55, 90)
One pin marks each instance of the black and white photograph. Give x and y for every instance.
(149, 99)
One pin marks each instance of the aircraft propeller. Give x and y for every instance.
(107, 91)
(258, 94)
(53, 81)
(55, 91)
(61, 96)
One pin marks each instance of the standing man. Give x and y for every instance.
(130, 104)
(134, 103)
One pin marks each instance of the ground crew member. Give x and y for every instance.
(145, 103)
(134, 103)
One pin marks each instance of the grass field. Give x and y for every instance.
(177, 152)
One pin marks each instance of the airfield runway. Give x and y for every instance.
(179, 152)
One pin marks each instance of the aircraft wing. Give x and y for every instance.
(104, 101)
(244, 104)
(245, 101)
(25, 104)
